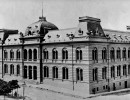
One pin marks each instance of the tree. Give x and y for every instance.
(3, 84)
(13, 84)
(7, 87)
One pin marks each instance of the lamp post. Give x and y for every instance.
(24, 84)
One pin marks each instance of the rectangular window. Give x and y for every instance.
(120, 83)
(106, 87)
(97, 89)
(95, 74)
(124, 70)
(113, 72)
(128, 69)
(103, 87)
(104, 73)
(119, 70)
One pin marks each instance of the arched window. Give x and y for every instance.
(25, 54)
(45, 54)
(124, 70)
(5, 54)
(30, 54)
(118, 53)
(11, 69)
(64, 54)
(112, 54)
(79, 74)
(11, 54)
(54, 54)
(18, 69)
(79, 54)
(18, 55)
(64, 73)
(46, 71)
(124, 53)
(113, 72)
(104, 54)
(55, 72)
(30, 72)
(129, 53)
(5, 68)
(95, 55)
(35, 73)
(35, 54)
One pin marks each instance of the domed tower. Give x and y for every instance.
(40, 28)
(34, 35)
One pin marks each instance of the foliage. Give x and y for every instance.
(7, 87)
(13, 84)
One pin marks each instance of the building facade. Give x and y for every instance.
(86, 58)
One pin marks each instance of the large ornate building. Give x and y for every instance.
(86, 58)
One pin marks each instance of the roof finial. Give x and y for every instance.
(42, 8)
(42, 17)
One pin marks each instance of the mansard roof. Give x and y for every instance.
(13, 39)
(40, 27)
(88, 29)
(116, 35)
(62, 35)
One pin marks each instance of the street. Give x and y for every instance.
(37, 94)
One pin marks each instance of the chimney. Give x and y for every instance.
(89, 19)
(128, 28)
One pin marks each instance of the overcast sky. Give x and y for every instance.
(18, 14)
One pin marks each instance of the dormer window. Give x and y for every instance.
(107, 35)
(115, 37)
(9, 39)
(126, 38)
(37, 31)
(100, 34)
(29, 27)
(67, 35)
(49, 36)
(79, 30)
(58, 36)
(36, 26)
(120, 37)
(29, 32)
(15, 39)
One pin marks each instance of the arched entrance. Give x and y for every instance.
(25, 54)
(25, 72)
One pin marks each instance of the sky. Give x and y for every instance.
(18, 14)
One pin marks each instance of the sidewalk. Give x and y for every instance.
(72, 93)
(117, 92)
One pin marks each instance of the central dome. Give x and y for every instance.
(40, 27)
